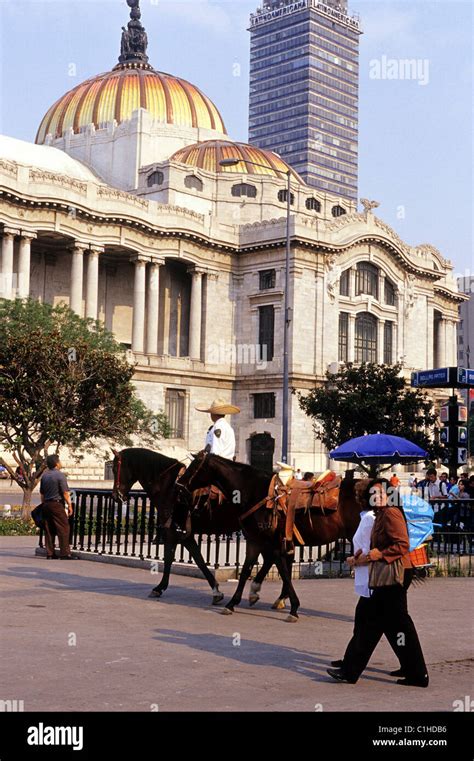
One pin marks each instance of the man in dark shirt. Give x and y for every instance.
(57, 507)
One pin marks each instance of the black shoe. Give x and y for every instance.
(337, 664)
(414, 682)
(52, 557)
(68, 557)
(398, 672)
(339, 676)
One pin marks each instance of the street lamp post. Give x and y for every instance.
(287, 320)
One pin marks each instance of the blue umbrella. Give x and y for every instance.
(378, 448)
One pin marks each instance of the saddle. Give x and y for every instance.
(321, 495)
(215, 497)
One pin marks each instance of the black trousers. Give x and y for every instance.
(385, 612)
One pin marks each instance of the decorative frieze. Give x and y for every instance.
(51, 178)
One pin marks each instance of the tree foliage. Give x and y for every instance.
(64, 382)
(370, 398)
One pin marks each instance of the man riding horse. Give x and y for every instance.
(220, 439)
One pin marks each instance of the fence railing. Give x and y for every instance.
(103, 526)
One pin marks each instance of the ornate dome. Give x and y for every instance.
(117, 93)
(208, 155)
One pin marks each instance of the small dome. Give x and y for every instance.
(117, 93)
(209, 153)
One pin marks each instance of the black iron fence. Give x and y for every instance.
(102, 526)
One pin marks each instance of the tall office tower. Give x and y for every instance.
(304, 84)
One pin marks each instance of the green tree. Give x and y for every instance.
(64, 382)
(370, 398)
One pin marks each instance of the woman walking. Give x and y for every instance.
(387, 612)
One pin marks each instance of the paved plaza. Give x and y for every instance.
(83, 636)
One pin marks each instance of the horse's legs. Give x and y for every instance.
(279, 603)
(256, 584)
(170, 547)
(251, 556)
(193, 549)
(288, 584)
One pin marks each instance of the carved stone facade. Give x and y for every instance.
(183, 258)
(181, 290)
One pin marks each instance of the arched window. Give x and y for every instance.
(282, 196)
(244, 189)
(194, 183)
(338, 211)
(345, 283)
(155, 178)
(389, 295)
(312, 204)
(365, 338)
(367, 279)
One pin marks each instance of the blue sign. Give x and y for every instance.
(466, 376)
(430, 377)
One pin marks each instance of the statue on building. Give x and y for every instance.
(134, 42)
(369, 205)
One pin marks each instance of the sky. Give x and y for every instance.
(416, 145)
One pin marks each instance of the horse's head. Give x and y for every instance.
(197, 474)
(123, 479)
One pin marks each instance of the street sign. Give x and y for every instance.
(435, 378)
(444, 436)
(462, 435)
(462, 456)
(443, 377)
(465, 376)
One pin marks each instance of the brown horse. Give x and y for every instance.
(157, 475)
(246, 487)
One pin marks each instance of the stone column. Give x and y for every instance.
(452, 352)
(92, 291)
(153, 306)
(195, 317)
(380, 341)
(77, 279)
(6, 283)
(351, 338)
(138, 329)
(442, 343)
(24, 264)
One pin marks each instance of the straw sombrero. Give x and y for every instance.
(219, 407)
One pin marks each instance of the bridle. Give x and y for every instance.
(185, 487)
(119, 468)
(117, 477)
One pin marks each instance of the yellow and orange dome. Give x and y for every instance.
(209, 153)
(117, 93)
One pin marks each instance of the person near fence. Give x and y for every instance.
(387, 612)
(57, 507)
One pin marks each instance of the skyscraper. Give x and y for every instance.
(304, 84)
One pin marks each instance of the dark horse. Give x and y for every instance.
(157, 475)
(246, 487)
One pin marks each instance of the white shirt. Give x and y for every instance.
(437, 489)
(221, 439)
(361, 541)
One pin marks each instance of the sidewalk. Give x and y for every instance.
(83, 636)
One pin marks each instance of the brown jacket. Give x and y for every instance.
(390, 537)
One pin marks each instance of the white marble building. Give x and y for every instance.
(122, 210)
